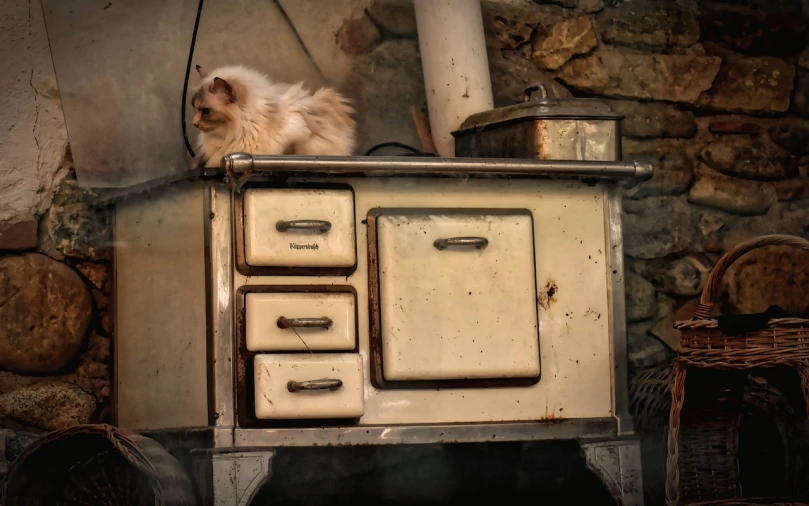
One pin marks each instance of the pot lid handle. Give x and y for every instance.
(529, 91)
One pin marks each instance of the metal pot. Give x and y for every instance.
(543, 128)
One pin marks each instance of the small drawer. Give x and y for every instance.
(298, 386)
(284, 321)
(299, 228)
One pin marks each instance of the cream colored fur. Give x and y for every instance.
(272, 118)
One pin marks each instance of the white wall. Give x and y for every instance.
(32, 132)
(32, 129)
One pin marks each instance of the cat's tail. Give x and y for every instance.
(332, 124)
(336, 105)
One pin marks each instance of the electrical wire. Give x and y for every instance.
(413, 150)
(187, 75)
(298, 37)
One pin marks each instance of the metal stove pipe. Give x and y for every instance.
(455, 65)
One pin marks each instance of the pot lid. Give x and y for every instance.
(540, 106)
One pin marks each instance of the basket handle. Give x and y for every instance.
(706, 302)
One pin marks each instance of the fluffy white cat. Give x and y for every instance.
(239, 109)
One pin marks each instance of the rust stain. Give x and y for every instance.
(595, 314)
(551, 416)
(548, 295)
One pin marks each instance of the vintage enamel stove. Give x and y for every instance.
(365, 300)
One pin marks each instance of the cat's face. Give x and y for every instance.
(213, 104)
(211, 111)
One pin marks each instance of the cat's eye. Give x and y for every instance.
(206, 111)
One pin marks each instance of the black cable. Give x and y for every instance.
(397, 145)
(187, 75)
(298, 37)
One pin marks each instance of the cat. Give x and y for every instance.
(238, 109)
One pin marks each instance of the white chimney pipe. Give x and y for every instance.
(455, 65)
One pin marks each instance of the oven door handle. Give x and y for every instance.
(476, 242)
(319, 384)
(321, 226)
(323, 322)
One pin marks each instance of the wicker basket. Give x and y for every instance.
(98, 465)
(762, 402)
(650, 397)
(712, 469)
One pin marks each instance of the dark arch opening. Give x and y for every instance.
(500, 473)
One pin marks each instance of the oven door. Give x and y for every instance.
(457, 297)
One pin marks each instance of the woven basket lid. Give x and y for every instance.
(97, 464)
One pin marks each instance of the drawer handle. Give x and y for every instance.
(477, 242)
(321, 384)
(307, 323)
(319, 225)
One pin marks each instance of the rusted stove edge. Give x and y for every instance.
(617, 302)
(379, 166)
(582, 429)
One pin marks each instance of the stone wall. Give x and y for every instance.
(55, 315)
(55, 324)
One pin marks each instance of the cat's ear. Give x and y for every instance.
(201, 72)
(221, 86)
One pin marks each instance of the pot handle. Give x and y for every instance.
(529, 91)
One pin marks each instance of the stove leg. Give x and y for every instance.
(229, 478)
(618, 465)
